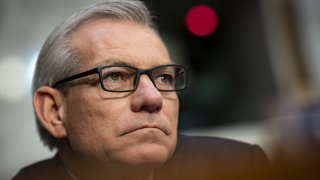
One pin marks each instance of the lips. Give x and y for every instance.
(134, 128)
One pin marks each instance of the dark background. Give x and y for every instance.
(230, 76)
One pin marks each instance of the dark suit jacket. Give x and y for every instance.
(194, 158)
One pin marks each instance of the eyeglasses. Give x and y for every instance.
(124, 78)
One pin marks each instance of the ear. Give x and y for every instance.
(48, 105)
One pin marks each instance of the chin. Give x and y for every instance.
(151, 155)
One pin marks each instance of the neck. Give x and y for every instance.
(79, 168)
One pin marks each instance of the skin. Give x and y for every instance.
(109, 130)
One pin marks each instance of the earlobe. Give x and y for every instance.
(48, 105)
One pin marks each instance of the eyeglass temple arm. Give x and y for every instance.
(77, 76)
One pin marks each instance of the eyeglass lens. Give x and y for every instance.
(165, 78)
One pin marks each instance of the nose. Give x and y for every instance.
(146, 97)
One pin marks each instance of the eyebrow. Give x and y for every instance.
(111, 62)
(108, 62)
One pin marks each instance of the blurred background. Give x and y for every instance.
(254, 68)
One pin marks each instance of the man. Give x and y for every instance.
(104, 94)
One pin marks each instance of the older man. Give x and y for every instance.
(105, 97)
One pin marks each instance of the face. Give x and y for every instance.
(136, 128)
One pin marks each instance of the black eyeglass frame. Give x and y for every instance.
(139, 72)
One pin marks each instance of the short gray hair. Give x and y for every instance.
(58, 59)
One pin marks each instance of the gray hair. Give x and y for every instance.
(58, 59)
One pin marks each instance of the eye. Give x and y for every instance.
(114, 76)
(165, 78)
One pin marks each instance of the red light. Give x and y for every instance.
(201, 20)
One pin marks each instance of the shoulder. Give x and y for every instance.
(213, 142)
(47, 169)
(221, 149)
(212, 145)
(213, 156)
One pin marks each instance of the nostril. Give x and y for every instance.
(151, 108)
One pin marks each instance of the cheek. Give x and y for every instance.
(92, 123)
(171, 109)
(88, 126)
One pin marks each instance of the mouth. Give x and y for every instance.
(145, 127)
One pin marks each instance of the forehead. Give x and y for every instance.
(106, 40)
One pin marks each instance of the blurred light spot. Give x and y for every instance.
(201, 20)
(13, 76)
